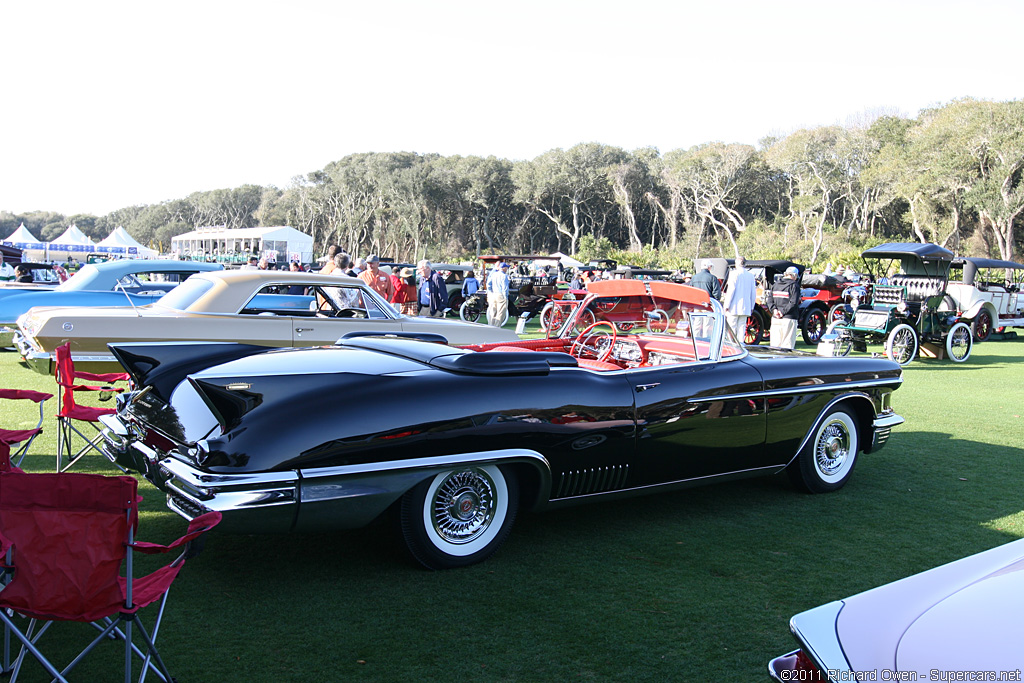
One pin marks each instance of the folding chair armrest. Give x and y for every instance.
(34, 396)
(101, 377)
(197, 527)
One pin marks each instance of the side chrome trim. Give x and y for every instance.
(811, 389)
(481, 457)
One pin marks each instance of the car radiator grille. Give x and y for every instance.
(593, 480)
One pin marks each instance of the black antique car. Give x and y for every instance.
(455, 440)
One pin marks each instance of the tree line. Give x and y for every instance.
(954, 175)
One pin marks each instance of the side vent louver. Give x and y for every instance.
(592, 480)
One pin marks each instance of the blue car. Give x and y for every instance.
(113, 283)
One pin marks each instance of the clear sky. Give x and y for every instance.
(110, 104)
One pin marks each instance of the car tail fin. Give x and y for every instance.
(163, 365)
(228, 403)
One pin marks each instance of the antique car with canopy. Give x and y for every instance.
(957, 622)
(115, 283)
(454, 440)
(265, 307)
(906, 309)
(986, 292)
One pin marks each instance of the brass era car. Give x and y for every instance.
(269, 308)
(454, 440)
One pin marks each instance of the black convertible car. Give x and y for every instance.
(456, 440)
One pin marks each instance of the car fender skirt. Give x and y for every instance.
(351, 496)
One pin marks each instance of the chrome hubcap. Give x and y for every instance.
(832, 449)
(463, 506)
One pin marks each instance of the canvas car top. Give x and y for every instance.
(899, 250)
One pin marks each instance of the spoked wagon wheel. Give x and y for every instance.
(813, 326)
(982, 326)
(828, 458)
(837, 314)
(843, 342)
(585, 319)
(755, 329)
(550, 317)
(959, 342)
(469, 311)
(459, 517)
(901, 344)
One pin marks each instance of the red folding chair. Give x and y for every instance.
(69, 535)
(11, 437)
(69, 412)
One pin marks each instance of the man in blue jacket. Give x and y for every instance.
(707, 281)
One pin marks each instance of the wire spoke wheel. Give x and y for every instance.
(959, 342)
(827, 459)
(459, 517)
(901, 344)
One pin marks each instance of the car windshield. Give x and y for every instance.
(652, 309)
(185, 294)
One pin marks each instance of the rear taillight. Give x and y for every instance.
(809, 670)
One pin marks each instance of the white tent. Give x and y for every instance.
(277, 243)
(73, 240)
(120, 242)
(566, 261)
(22, 238)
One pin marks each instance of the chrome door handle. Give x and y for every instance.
(645, 387)
(300, 330)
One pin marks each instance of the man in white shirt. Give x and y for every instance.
(740, 297)
(497, 295)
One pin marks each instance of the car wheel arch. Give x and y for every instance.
(863, 410)
(532, 469)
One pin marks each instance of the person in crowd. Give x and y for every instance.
(332, 251)
(22, 273)
(262, 264)
(497, 295)
(577, 281)
(740, 297)
(294, 267)
(377, 280)
(343, 265)
(706, 280)
(433, 293)
(470, 285)
(252, 264)
(784, 303)
(404, 282)
(359, 266)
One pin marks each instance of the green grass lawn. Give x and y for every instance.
(691, 586)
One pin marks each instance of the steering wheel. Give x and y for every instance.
(582, 342)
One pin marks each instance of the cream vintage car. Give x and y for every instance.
(987, 292)
(268, 308)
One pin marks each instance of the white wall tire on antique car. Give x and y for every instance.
(959, 342)
(901, 344)
(827, 459)
(459, 517)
